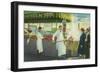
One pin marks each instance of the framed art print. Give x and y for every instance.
(52, 36)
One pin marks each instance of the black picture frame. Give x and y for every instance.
(14, 35)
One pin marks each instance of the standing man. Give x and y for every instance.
(39, 41)
(60, 46)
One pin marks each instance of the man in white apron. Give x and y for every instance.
(60, 46)
(39, 41)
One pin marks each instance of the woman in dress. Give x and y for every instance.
(81, 47)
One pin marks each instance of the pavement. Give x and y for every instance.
(50, 52)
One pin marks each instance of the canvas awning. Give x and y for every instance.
(45, 17)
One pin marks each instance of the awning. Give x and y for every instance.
(46, 17)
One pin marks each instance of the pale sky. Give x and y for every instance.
(82, 17)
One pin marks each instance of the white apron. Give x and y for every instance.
(60, 46)
(39, 42)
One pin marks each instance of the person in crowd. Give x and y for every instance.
(87, 43)
(30, 34)
(69, 46)
(39, 41)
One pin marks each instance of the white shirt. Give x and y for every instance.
(59, 35)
